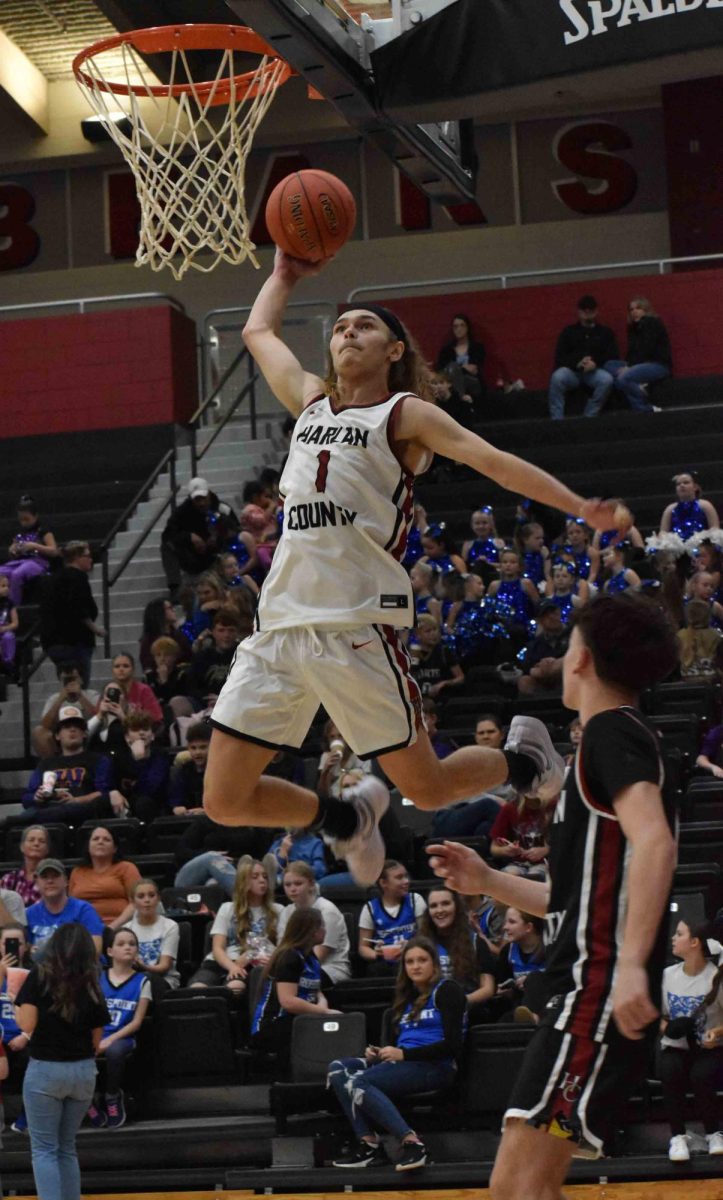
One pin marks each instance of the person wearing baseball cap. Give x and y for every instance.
(199, 529)
(581, 350)
(72, 785)
(542, 663)
(56, 907)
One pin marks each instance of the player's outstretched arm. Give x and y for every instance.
(464, 871)
(281, 369)
(434, 429)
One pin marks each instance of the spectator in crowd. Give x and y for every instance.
(135, 695)
(577, 545)
(633, 535)
(210, 665)
(414, 550)
(71, 692)
(72, 785)
(421, 577)
(61, 1006)
(446, 396)
(234, 567)
(566, 588)
(160, 620)
(440, 550)
(9, 623)
(57, 908)
(619, 577)
(209, 595)
(462, 360)
(442, 746)
(299, 846)
(68, 612)
(31, 550)
(14, 953)
(536, 561)
(105, 729)
(701, 646)
(521, 958)
(690, 1058)
(710, 758)
(104, 879)
(207, 851)
(140, 771)
(168, 681)
(12, 907)
(333, 951)
(260, 525)
(690, 514)
(292, 985)
(513, 600)
(158, 937)
(476, 816)
(127, 994)
(701, 587)
(34, 847)
(337, 758)
(708, 557)
(542, 659)
(648, 358)
(463, 955)
(185, 788)
(580, 356)
(519, 836)
(428, 1032)
(485, 544)
(389, 920)
(244, 932)
(435, 666)
(199, 529)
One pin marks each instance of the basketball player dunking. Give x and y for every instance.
(337, 595)
(612, 856)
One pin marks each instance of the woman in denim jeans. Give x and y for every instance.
(61, 1007)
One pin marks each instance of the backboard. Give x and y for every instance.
(331, 43)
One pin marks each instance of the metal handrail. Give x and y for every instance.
(504, 277)
(197, 418)
(26, 674)
(84, 302)
(248, 387)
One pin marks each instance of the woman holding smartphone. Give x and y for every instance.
(15, 962)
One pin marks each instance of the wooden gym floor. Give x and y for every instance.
(682, 1189)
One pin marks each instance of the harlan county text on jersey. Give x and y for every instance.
(326, 435)
(317, 515)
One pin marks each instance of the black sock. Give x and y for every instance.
(336, 818)
(522, 769)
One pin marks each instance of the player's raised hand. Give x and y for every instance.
(633, 1010)
(297, 268)
(459, 866)
(607, 514)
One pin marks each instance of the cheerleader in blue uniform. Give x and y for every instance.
(421, 578)
(292, 984)
(127, 993)
(440, 551)
(619, 577)
(577, 545)
(565, 588)
(691, 514)
(485, 546)
(530, 541)
(475, 637)
(512, 600)
(414, 550)
(428, 1023)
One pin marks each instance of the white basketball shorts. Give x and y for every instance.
(362, 677)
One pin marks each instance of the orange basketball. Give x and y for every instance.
(310, 214)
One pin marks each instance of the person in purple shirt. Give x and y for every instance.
(58, 908)
(711, 752)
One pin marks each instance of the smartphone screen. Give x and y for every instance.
(12, 946)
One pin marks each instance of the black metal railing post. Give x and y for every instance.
(252, 377)
(105, 586)
(174, 485)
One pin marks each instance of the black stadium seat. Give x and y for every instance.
(127, 831)
(492, 1058)
(60, 837)
(194, 1041)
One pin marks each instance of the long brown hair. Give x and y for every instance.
(410, 373)
(69, 971)
(703, 931)
(242, 906)
(405, 992)
(299, 934)
(457, 939)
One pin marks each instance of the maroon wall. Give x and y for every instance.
(693, 119)
(100, 370)
(519, 326)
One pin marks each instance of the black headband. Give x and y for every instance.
(392, 323)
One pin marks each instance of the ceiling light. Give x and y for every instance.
(94, 128)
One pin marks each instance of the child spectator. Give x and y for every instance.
(619, 577)
(160, 620)
(299, 846)
(485, 544)
(14, 954)
(700, 644)
(185, 789)
(414, 550)
(140, 772)
(244, 932)
(30, 551)
(691, 514)
(701, 586)
(292, 985)
(440, 551)
(475, 639)
(442, 746)
(8, 626)
(167, 680)
(536, 562)
(577, 545)
(519, 836)
(82, 779)
(71, 692)
(210, 595)
(421, 578)
(229, 566)
(127, 994)
(428, 1033)
(511, 599)
(334, 949)
(565, 588)
(520, 959)
(691, 1048)
(34, 847)
(157, 936)
(388, 921)
(463, 955)
(435, 666)
(211, 663)
(104, 879)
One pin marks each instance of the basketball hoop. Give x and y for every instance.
(187, 155)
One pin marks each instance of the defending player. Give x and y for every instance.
(326, 627)
(611, 865)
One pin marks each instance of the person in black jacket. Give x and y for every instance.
(649, 357)
(581, 350)
(195, 534)
(68, 612)
(462, 359)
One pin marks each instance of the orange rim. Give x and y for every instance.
(166, 38)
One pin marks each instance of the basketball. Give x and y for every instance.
(310, 214)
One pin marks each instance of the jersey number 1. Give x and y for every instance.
(323, 459)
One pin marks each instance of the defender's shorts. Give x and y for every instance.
(575, 1088)
(362, 677)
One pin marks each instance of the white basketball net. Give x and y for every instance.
(188, 157)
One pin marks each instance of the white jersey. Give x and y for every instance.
(348, 508)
